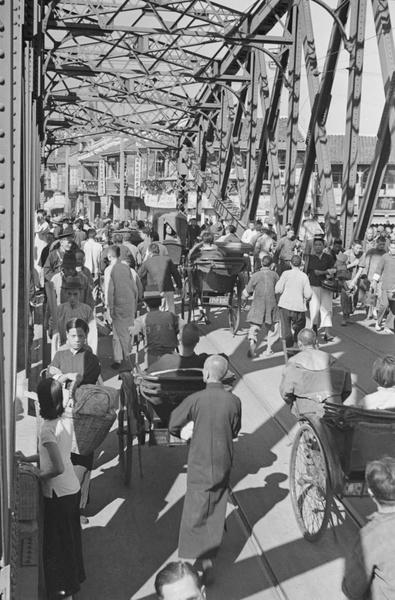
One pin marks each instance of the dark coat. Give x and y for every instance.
(156, 273)
(264, 305)
(216, 414)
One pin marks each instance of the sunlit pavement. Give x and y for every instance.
(133, 532)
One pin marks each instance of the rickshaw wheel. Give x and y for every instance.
(310, 485)
(125, 438)
(187, 299)
(234, 308)
(191, 299)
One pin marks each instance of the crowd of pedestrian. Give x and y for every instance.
(120, 274)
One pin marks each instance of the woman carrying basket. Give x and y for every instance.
(62, 545)
(73, 365)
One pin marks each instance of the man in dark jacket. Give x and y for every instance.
(55, 257)
(157, 273)
(214, 417)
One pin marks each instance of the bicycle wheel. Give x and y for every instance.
(125, 439)
(234, 308)
(310, 485)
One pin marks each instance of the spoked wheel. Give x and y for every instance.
(234, 308)
(125, 438)
(311, 491)
(187, 299)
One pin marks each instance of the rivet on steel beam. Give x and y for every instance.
(3, 310)
(2, 159)
(1, 54)
(2, 260)
(1, 27)
(2, 80)
(2, 107)
(2, 210)
(2, 235)
(2, 185)
(2, 134)
(2, 286)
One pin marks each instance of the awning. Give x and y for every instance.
(52, 203)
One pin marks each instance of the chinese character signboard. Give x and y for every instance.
(385, 203)
(101, 191)
(137, 175)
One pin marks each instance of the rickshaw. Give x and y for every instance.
(176, 241)
(211, 282)
(146, 403)
(329, 457)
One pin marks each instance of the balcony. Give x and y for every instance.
(113, 187)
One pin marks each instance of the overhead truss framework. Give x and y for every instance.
(192, 76)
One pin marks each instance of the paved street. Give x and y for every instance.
(133, 531)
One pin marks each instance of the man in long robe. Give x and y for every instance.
(121, 296)
(216, 417)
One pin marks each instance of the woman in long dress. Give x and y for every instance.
(62, 544)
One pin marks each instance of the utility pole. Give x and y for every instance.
(122, 179)
(66, 180)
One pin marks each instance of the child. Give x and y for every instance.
(72, 309)
(369, 571)
(158, 329)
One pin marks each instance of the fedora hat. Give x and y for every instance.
(153, 295)
(68, 232)
(72, 283)
(69, 260)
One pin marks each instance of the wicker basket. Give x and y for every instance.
(90, 427)
(29, 488)
(90, 431)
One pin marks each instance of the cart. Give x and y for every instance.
(146, 403)
(329, 457)
(215, 282)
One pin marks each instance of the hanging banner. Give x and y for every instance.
(137, 175)
(160, 200)
(101, 184)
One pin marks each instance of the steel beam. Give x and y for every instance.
(10, 197)
(350, 160)
(295, 62)
(251, 123)
(320, 137)
(234, 145)
(319, 111)
(386, 133)
(380, 160)
(267, 151)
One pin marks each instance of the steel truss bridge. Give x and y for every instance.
(185, 76)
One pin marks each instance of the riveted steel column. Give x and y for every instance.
(324, 164)
(386, 133)
(320, 110)
(350, 164)
(295, 62)
(252, 118)
(10, 96)
(267, 150)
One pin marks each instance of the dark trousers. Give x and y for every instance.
(62, 545)
(383, 307)
(292, 322)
